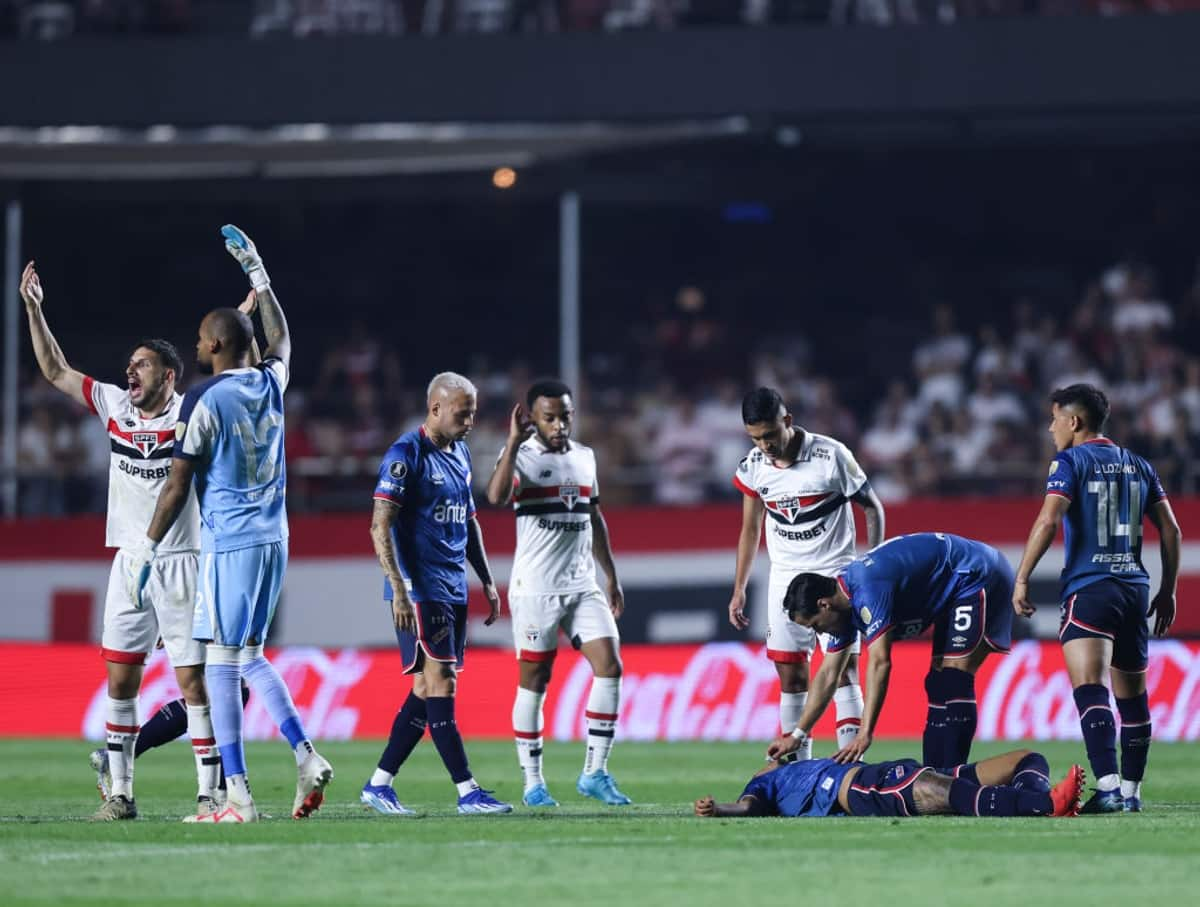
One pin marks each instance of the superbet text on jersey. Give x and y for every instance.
(138, 469)
(811, 525)
(553, 500)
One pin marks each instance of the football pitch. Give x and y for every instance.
(582, 853)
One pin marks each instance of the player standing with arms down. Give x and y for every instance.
(561, 533)
(424, 529)
(804, 482)
(141, 429)
(1101, 493)
(229, 442)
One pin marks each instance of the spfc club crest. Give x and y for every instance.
(788, 508)
(145, 441)
(569, 495)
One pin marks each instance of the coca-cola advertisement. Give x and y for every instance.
(719, 691)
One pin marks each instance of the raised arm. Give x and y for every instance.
(753, 514)
(241, 247)
(247, 308)
(49, 354)
(868, 500)
(500, 485)
(1170, 546)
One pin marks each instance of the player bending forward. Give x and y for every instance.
(561, 533)
(141, 429)
(804, 483)
(1013, 784)
(229, 442)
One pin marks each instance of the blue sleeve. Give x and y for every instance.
(1062, 480)
(398, 468)
(1154, 488)
(762, 789)
(872, 607)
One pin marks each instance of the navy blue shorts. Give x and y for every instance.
(441, 635)
(885, 788)
(986, 617)
(1113, 610)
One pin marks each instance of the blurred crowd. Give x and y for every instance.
(55, 19)
(968, 417)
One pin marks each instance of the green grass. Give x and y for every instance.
(583, 853)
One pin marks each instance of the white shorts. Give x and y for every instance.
(583, 616)
(130, 634)
(787, 641)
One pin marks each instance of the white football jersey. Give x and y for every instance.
(810, 524)
(553, 496)
(138, 469)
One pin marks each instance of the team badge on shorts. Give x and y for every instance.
(532, 634)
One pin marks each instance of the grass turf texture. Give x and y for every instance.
(582, 853)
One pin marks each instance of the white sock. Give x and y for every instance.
(465, 787)
(791, 705)
(121, 730)
(527, 729)
(849, 703)
(204, 748)
(1108, 782)
(1131, 788)
(603, 706)
(239, 789)
(380, 778)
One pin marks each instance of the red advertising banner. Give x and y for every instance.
(719, 691)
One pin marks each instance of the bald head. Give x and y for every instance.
(452, 403)
(232, 328)
(448, 385)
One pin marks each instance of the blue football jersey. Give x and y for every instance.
(231, 426)
(906, 582)
(806, 788)
(432, 487)
(1110, 490)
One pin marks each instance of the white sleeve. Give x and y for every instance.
(278, 369)
(102, 399)
(850, 473)
(194, 438)
(595, 479)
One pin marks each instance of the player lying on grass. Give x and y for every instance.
(1013, 784)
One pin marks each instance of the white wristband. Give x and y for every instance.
(258, 277)
(800, 735)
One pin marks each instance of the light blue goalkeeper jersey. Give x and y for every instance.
(231, 426)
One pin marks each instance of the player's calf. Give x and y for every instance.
(1136, 731)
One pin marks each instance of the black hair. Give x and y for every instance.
(1088, 398)
(233, 328)
(762, 405)
(803, 592)
(546, 387)
(167, 354)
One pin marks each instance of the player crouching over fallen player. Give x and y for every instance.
(1013, 784)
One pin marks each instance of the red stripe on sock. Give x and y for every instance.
(844, 721)
(204, 741)
(600, 716)
(122, 728)
(527, 735)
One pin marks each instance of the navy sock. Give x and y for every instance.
(407, 730)
(966, 772)
(961, 714)
(933, 746)
(969, 799)
(444, 731)
(1032, 773)
(165, 725)
(1099, 728)
(1135, 736)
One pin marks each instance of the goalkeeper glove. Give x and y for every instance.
(140, 559)
(241, 247)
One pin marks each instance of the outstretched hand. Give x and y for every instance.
(705, 807)
(1163, 610)
(31, 286)
(853, 751)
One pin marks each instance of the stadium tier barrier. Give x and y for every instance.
(716, 692)
(676, 566)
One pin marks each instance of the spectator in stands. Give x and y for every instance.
(681, 452)
(939, 361)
